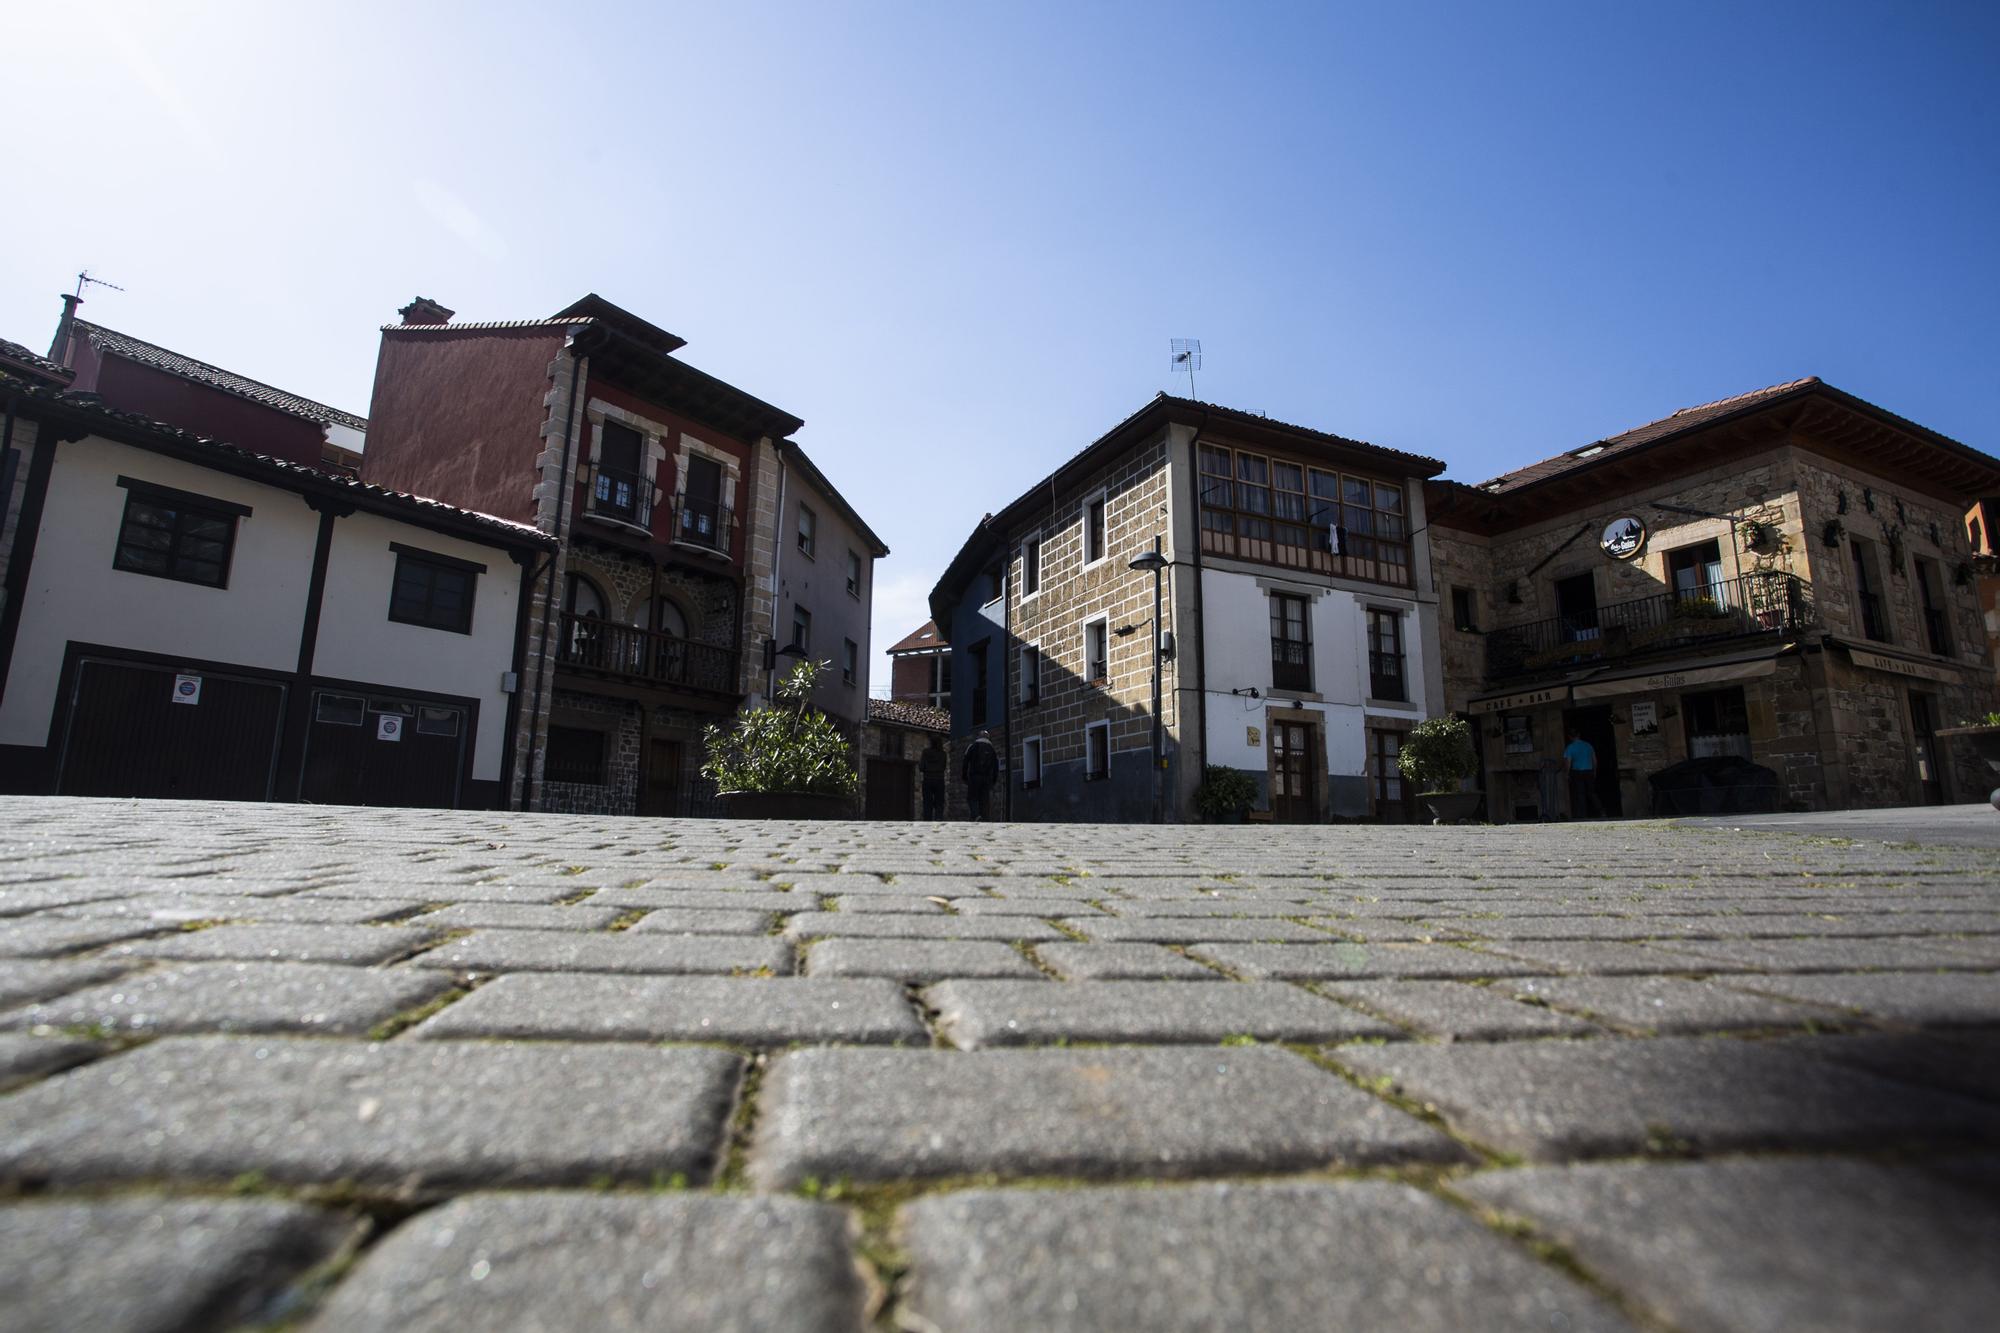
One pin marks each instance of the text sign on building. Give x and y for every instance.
(187, 689)
(1507, 703)
(1896, 666)
(1622, 537)
(388, 727)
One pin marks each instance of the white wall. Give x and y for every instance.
(73, 593)
(358, 641)
(819, 584)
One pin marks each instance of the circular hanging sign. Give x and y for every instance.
(1623, 537)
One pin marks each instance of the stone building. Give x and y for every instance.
(1781, 577)
(892, 741)
(920, 668)
(1295, 612)
(670, 492)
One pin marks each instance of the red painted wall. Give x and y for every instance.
(197, 407)
(458, 416)
(666, 481)
(910, 677)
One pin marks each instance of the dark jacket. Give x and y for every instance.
(934, 763)
(982, 765)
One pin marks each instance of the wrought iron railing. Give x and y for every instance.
(625, 496)
(594, 644)
(1291, 665)
(1385, 676)
(1753, 604)
(702, 523)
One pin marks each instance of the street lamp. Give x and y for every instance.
(1155, 563)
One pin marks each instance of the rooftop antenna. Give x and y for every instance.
(1185, 355)
(84, 279)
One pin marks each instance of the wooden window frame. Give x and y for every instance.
(1278, 603)
(427, 616)
(1382, 615)
(1249, 515)
(183, 506)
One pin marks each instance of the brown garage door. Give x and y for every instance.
(375, 750)
(127, 736)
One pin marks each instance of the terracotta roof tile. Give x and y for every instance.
(922, 639)
(201, 372)
(921, 716)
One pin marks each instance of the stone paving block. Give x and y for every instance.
(1931, 999)
(18, 899)
(1184, 930)
(1135, 1112)
(237, 997)
(1961, 1062)
(448, 893)
(888, 926)
(1669, 1004)
(1611, 958)
(587, 1261)
(398, 1114)
(1551, 1100)
(1206, 909)
(1776, 1245)
(23, 1057)
(973, 1014)
(1901, 953)
(163, 910)
(154, 1265)
(918, 961)
(1122, 962)
(1454, 1009)
(48, 936)
(754, 1012)
(1191, 1258)
(1042, 907)
(357, 945)
(701, 921)
(907, 905)
(747, 900)
(1350, 960)
(520, 916)
(1380, 930)
(602, 951)
(37, 979)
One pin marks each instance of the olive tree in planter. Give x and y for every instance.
(785, 760)
(1437, 756)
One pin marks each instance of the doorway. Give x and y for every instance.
(1576, 607)
(1594, 726)
(1923, 732)
(1294, 795)
(660, 793)
(891, 788)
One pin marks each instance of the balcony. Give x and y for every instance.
(631, 653)
(702, 523)
(622, 497)
(1750, 606)
(1291, 665)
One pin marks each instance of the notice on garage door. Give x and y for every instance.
(388, 727)
(187, 689)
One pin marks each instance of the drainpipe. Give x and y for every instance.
(1200, 615)
(523, 601)
(777, 564)
(564, 495)
(1006, 656)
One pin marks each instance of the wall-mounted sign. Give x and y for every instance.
(1623, 537)
(388, 726)
(1520, 730)
(1897, 666)
(187, 689)
(1507, 703)
(1252, 737)
(1645, 718)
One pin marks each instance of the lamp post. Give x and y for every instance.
(1156, 563)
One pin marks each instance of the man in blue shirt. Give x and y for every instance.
(1580, 758)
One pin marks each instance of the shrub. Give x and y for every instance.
(1437, 754)
(788, 746)
(1224, 793)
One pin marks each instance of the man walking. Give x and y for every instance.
(980, 769)
(933, 764)
(1580, 758)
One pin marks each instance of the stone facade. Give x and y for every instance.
(623, 725)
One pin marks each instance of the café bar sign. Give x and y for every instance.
(1897, 666)
(1509, 703)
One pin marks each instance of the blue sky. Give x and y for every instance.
(956, 239)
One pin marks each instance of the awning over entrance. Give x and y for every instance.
(1647, 683)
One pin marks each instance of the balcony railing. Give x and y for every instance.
(593, 644)
(624, 496)
(1754, 604)
(1291, 665)
(702, 523)
(1385, 676)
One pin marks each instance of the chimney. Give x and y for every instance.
(423, 310)
(59, 348)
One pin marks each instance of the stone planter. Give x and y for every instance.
(1450, 807)
(784, 805)
(1983, 741)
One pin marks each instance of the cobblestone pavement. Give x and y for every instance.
(340, 1069)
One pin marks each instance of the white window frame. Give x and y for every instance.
(1031, 772)
(1105, 772)
(856, 571)
(1032, 542)
(808, 534)
(1030, 692)
(1102, 623)
(1083, 529)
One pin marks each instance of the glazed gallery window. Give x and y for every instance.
(433, 590)
(1272, 509)
(1291, 643)
(174, 535)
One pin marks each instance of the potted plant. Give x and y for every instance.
(1224, 794)
(785, 760)
(1983, 739)
(1437, 756)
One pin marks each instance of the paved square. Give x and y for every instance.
(714, 1075)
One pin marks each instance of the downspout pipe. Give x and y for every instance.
(566, 485)
(524, 601)
(1200, 615)
(777, 566)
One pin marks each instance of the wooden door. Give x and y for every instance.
(660, 793)
(1294, 793)
(136, 729)
(891, 790)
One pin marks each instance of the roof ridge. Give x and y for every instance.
(229, 381)
(1733, 398)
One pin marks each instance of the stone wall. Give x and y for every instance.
(618, 794)
(1463, 560)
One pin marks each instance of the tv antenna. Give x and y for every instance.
(84, 279)
(1185, 355)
